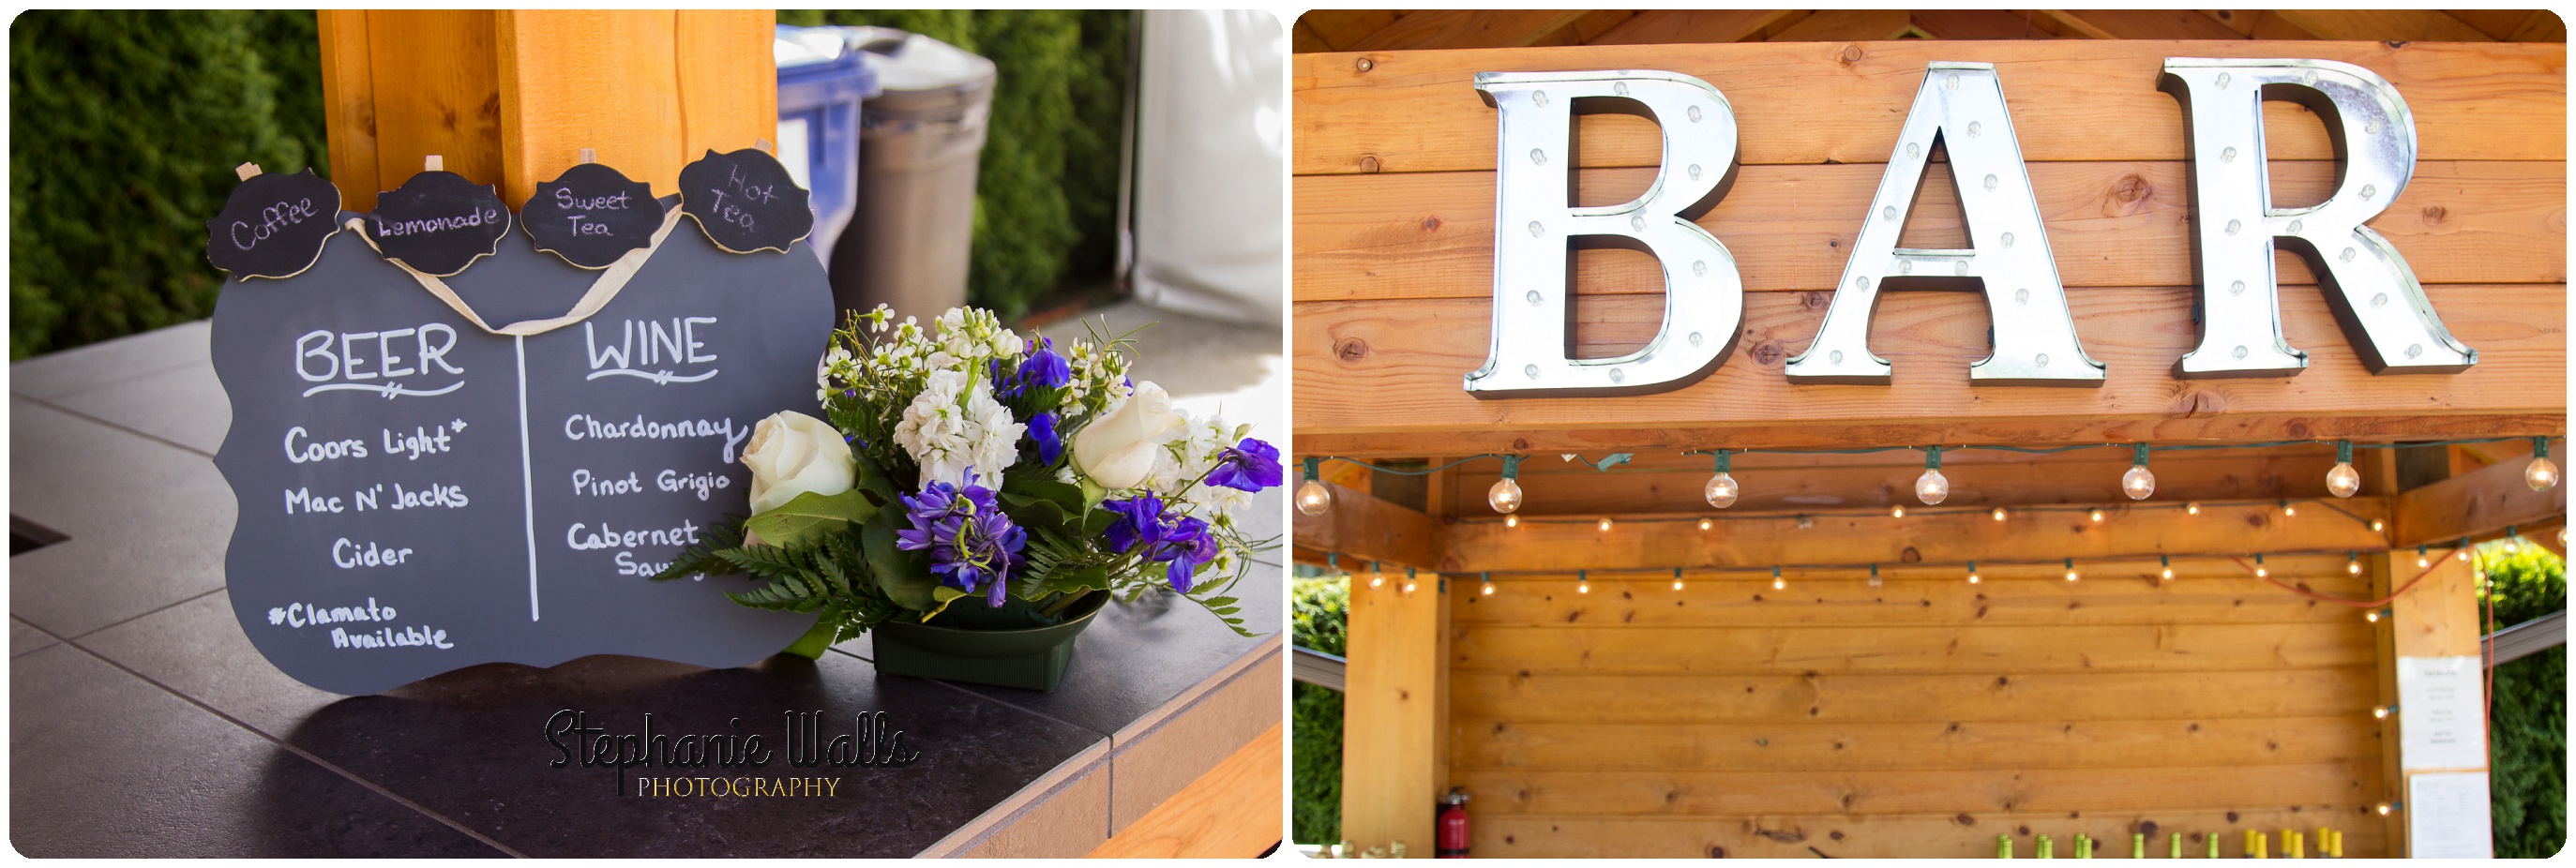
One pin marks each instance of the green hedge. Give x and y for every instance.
(2527, 729)
(124, 128)
(1323, 624)
(1046, 198)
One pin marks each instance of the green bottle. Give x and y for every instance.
(2003, 846)
(2177, 845)
(2213, 845)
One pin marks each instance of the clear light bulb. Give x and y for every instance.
(1999, 513)
(2097, 515)
(1721, 491)
(2422, 561)
(1705, 524)
(2289, 510)
(2192, 507)
(2261, 572)
(1505, 496)
(2380, 712)
(1973, 578)
(1511, 521)
(2540, 474)
(2353, 567)
(1377, 579)
(1931, 487)
(1313, 498)
(1583, 587)
(1779, 584)
(2138, 483)
(1605, 525)
(2071, 576)
(2168, 572)
(2510, 547)
(1408, 586)
(1677, 584)
(1488, 589)
(2343, 480)
(2376, 525)
(1898, 512)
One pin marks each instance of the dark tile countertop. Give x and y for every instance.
(144, 724)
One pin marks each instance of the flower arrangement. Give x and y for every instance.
(973, 463)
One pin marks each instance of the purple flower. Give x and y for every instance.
(1046, 369)
(1042, 431)
(1249, 466)
(973, 545)
(1140, 519)
(1181, 542)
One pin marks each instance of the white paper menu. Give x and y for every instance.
(2446, 816)
(2439, 722)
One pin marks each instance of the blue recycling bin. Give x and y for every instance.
(821, 81)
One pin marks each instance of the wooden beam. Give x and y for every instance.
(1461, 28)
(1360, 527)
(1232, 812)
(2476, 504)
(1778, 747)
(1381, 378)
(348, 96)
(2073, 100)
(1342, 29)
(1847, 25)
(1830, 698)
(2330, 785)
(1667, 26)
(1981, 24)
(2394, 25)
(1430, 235)
(1944, 538)
(1391, 716)
(2439, 617)
(1956, 835)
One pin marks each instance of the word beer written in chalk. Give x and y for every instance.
(1959, 108)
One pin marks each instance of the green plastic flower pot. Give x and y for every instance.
(1030, 658)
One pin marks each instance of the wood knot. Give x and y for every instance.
(1351, 350)
(1851, 55)
(2435, 214)
(2197, 402)
(2256, 520)
(2231, 816)
(2147, 828)
(1714, 851)
(1836, 835)
(2003, 681)
(1431, 224)
(1964, 820)
(2126, 193)
(1816, 299)
(1768, 353)
(1785, 836)
(1368, 164)
(1520, 444)
(1909, 555)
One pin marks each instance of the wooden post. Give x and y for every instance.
(1391, 712)
(510, 97)
(2438, 618)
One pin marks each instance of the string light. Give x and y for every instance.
(2461, 549)
(1377, 574)
(1511, 521)
(2070, 570)
(1505, 496)
(1605, 524)
(2288, 510)
(1312, 497)
(2376, 614)
(2540, 474)
(1333, 563)
(2382, 713)
(2385, 807)
(2510, 534)
(1931, 487)
(1705, 524)
(1777, 583)
(1488, 589)
(2192, 508)
(1677, 578)
(2139, 482)
(2168, 562)
(1873, 575)
(2343, 481)
(1721, 489)
(1582, 582)
(1898, 512)
(2422, 560)
(1408, 580)
(2352, 563)
(1973, 578)
(2259, 571)
(2097, 515)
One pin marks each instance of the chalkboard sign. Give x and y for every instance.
(591, 215)
(746, 201)
(417, 494)
(438, 222)
(273, 225)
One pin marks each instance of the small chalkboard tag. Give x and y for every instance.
(438, 223)
(745, 201)
(592, 215)
(273, 225)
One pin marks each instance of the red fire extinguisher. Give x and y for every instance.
(1453, 825)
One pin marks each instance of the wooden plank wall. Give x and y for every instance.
(1393, 154)
(1920, 718)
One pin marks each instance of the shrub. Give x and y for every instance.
(1323, 624)
(124, 130)
(2527, 728)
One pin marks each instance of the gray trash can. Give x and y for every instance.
(919, 139)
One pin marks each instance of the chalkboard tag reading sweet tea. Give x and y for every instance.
(273, 225)
(438, 223)
(592, 215)
(745, 201)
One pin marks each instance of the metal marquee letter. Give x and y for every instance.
(1536, 227)
(1961, 105)
(2373, 293)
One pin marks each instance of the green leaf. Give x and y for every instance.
(873, 479)
(1064, 494)
(810, 514)
(942, 595)
(1076, 580)
(897, 572)
(815, 641)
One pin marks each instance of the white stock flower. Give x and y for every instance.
(793, 453)
(950, 427)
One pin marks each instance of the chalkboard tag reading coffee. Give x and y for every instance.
(746, 201)
(438, 223)
(592, 215)
(273, 225)
(422, 486)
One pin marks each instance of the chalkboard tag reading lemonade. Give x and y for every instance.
(592, 215)
(273, 225)
(438, 223)
(423, 486)
(745, 201)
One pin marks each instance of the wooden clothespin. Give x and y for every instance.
(766, 146)
(247, 171)
(433, 163)
(590, 155)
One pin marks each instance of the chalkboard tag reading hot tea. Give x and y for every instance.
(438, 223)
(745, 201)
(273, 225)
(592, 215)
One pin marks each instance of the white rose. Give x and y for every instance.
(1118, 449)
(793, 453)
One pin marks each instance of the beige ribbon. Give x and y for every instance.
(603, 290)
